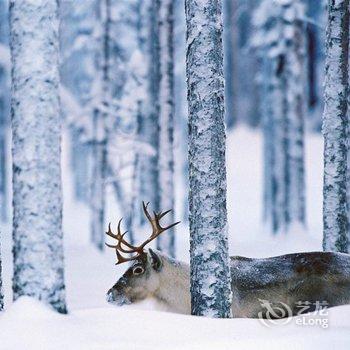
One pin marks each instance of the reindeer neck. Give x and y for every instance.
(174, 286)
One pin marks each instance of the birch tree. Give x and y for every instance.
(166, 242)
(210, 278)
(36, 129)
(335, 124)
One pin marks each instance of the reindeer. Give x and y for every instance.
(272, 287)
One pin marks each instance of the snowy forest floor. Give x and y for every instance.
(93, 324)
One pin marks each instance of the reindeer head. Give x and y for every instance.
(141, 279)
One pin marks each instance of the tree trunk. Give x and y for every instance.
(335, 123)
(210, 277)
(230, 45)
(36, 152)
(3, 147)
(166, 241)
(1, 291)
(280, 174)
(100, 143)
(295, 119)
(150, 126)
(283, 110)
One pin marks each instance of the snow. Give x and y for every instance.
(30, 325)
(94, 324)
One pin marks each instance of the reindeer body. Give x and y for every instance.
(289, 279)
(281, 281)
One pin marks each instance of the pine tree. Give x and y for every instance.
(335, 124)
(166, 242)
(36, 129)
(210, 278)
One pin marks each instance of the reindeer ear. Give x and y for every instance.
(156, 261)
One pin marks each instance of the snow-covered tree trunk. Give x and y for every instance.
(268, 141)
(4, 109)
(1, 290)
(335, 123)
(100, 138)
(3, 144)
(149, 181)
(80, 153)
(280, 176)
(210, 277)
(166, 241)
(295, 94)
(98, 177)
(230, 8)
(280, 34)
(36, 152)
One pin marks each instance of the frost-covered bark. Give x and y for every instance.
(335, 122)
(166, 241)
(36, 128)
(210, 279)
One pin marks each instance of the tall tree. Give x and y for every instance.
(230, 8)
(335, 124)
(1, 291)
(295, 95)
(149, 178)
(210, 277)
(4, 108)
(78, 73)
(280, 32)
(36, 152)
(100, 131)
(3, 141)
(166, 242)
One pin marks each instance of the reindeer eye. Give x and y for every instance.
(138, 270)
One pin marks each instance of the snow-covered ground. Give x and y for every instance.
(93, 324)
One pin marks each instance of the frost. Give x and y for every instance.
(210, 281)
(36, 152)
(335, 120)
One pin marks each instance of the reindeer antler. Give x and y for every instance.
(157, 229)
